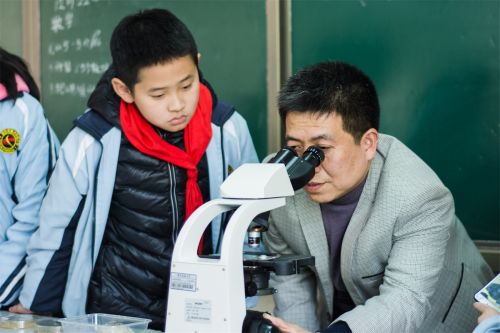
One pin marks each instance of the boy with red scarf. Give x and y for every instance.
(154, 145)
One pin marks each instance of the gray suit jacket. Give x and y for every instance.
(406, 260)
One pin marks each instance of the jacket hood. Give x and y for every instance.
(106, 102)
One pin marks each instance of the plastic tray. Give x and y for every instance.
(104, 323)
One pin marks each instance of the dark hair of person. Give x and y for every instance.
(10, 65)
(149, 37)
(333, 87)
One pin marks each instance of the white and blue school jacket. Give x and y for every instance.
(28, 151)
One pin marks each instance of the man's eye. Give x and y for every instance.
(187, 87)
(158, 96)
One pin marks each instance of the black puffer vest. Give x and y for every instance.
(131, 275)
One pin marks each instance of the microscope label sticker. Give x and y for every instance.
(183, 281)
(198, 311)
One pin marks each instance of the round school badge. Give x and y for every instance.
(9, 140)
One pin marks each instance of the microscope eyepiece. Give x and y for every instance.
(299, 169)
(314, 155)
(285, 155)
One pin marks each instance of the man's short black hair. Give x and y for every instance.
(149, 37)
(333, 87)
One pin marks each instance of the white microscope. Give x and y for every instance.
(207, 294)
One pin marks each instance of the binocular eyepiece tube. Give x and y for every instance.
(299, 169)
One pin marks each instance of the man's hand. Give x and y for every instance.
(18, 308)
(486, 311)
(284, 326)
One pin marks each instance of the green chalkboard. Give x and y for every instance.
(436, 68)
(231, 37)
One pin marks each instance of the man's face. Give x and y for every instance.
(346, 163)
(167, 94)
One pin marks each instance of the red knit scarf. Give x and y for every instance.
(197, 135)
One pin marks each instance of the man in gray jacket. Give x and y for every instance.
(391, 256)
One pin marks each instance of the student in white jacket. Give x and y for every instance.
(28, 150)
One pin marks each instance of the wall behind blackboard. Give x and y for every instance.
(436, 68)
(11, 26)
(231, 37)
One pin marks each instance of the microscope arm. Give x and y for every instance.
(207, 294)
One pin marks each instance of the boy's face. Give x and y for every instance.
(167, 94)
(346, 162)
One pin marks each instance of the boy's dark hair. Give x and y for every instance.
(333, 87)
(11, 64)
(149, 37)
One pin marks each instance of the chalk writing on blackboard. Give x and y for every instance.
(87, 67)
(76, 44)
(82, 90)
(73, 49)
(62, 5)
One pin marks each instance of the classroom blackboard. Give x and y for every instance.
(436, 68)
(231, 37)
